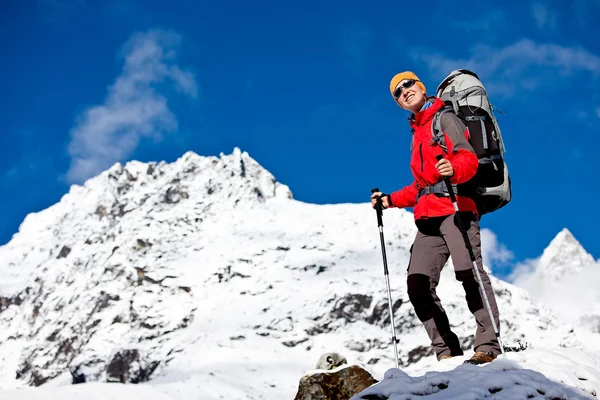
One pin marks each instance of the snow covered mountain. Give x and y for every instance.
(564, 256)
(566, 278)
(206, 276)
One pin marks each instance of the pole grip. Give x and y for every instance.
(448, 183)
(378, 208)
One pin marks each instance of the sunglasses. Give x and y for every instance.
(407, 84)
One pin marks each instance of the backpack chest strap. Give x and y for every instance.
(441, 190)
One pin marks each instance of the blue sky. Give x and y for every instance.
(303, 88)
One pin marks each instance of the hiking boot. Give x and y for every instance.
(481, 357)
(445, 358)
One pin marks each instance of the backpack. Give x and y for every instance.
(466, 97)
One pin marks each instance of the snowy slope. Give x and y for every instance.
(564, 374)
(207, 277)
(528, 375)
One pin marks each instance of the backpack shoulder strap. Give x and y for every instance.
(436, 128)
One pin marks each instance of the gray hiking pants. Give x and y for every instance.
(437, 239)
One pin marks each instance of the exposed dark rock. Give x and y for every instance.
(53, 336)
(226, 274)
(123, 188)
(118, 210)
(77, 376)
(418, 353)
(351, 306)
(143, 243)
(6, 302)
(104, 301)
(128, 367)
(294, 343)
(101, 211)
(64, 252)
(242, 167)
(381, 312)
(174, 195)
(519, 347)
(337, 384)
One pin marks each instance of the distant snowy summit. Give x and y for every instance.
(563, 256)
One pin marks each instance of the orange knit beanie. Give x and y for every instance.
(402, 76)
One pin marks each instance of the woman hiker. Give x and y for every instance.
(438, 235)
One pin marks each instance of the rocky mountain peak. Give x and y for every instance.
(564, 255)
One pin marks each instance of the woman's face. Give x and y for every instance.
(411, 98)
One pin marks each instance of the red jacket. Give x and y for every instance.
(460, 154)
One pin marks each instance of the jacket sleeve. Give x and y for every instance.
(405, 197)
(461, 154)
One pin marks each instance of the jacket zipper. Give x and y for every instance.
(421, 154)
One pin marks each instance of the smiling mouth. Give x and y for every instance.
(409, 97)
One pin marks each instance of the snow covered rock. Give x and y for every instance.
(329, 361)
(337, 384)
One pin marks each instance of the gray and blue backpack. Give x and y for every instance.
(465, 96)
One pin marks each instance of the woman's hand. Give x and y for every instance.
(444, 167)
(384, 199)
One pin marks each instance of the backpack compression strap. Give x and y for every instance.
(480, 118)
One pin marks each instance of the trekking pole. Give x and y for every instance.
(472, 255)
(379, 209)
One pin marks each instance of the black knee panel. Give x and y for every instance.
(465, 276)
(419, 293)
(419, 287)
(472, 291)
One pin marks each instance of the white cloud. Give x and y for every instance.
(522, 65)
(133, 109)
(523, 272)
(544, 17)
(493, 252)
